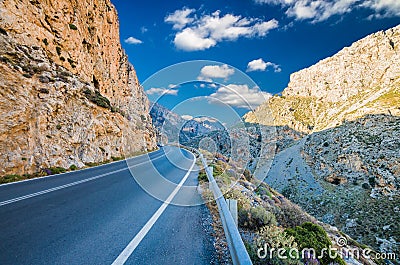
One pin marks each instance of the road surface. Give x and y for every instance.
(102, 215)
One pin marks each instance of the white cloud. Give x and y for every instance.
(180, 18)
(207, 85)
(240, 96)
(320, 10)
(203, 119)
(161, 91)
(187, 117)
(191, 40)
(200, 33)
(132, 40)
(260, 65)
(262, 28)
(208, 72)
(383, 8)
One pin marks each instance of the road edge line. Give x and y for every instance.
(127, 252)
(28, 196)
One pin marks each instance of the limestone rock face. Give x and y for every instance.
(361, 79)
(68, 93)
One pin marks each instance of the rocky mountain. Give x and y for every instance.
(171, 127)
(68, 93)
(345, 171)
(359, 80)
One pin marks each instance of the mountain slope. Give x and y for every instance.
(345, 171)
(171, 127)
(68, 93)
(361, 79)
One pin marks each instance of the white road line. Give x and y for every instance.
(84, 169)
(125, 254)
(71, 184)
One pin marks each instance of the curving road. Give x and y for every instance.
(102, 215)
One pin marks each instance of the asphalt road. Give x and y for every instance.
(104, 215)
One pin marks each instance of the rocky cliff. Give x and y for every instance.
(361, 79)
(68, 93)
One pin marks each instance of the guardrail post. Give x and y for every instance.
(210, 184)
(232, 205)
(235, 243)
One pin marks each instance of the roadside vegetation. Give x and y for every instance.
(267, 217)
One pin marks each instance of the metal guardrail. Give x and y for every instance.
(236, 246)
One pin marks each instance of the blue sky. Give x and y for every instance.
(262, 41)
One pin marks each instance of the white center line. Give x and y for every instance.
(125, 254)
(72, 183)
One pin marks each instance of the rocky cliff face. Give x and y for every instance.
(361, 79)
(68, 93)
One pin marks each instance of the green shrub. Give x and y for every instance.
(263, 191)
(92, 164)
(224, 179)
(58, 127)
(57, 170)
(97, 98)
(114, 158)
(242, 200)
(247, 175)
(45, 42)
(255, 218)
(291, 215)
(10, 178)
(73, 27)
(73, 167)
(252, 250)
(310, 235)
(202, 177)
(366, 186)
(218, 169)
(273, 237)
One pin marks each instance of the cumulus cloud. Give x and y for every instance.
(203, 32)
(187, 117)
(208, 72)
(260, 65)
(320, 10)
(132, 40)
(240, 96)
(191, 40)
(161, 91)
(180, 18)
